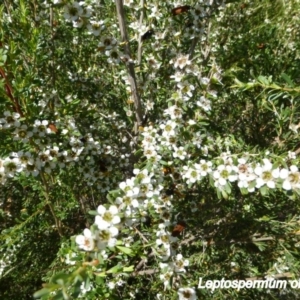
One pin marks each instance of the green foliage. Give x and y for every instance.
(82, 149)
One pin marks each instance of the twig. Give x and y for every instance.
(142, 262)
(141, 235)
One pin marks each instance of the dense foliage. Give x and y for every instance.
(147, 144)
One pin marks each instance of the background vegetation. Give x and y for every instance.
(72, 130)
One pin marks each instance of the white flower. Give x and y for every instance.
(106, 238)
(174, 112)
(186, 88)
(180, 263)
(78, 23)
(2, 174)
(204, 167)
(152, 62)
(86, 241)
(10, 120)
(291, 178)
(143, 176)
(204, 103)
(12, 166)
(245, 175)
(69, 257)
(187, 294)
(107, 43)
(127, 202)
(163, 238)
(128, 2)
(224, 173)
(166, 277)
(178, 76)
(114, 56)
(150, 152)
(182, 61)
(111, 285)
(266, 175)
(179, 152)
(106, 217)
(168, 128)
(87, 11)
(41, 127)
(129, 188)
(73, 11)
(190, 174)
(204, 80)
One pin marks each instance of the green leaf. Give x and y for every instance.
(93, 212)
(261, 246)
(101, 274)
(128, 269)
(287, 79)
(114, 269)
(264, 190)
(224, 194)
(263, 80)
(60, 278)
(41, 293)
(125, 250)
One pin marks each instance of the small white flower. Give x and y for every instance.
(180, 264)
(291, 178)
(179, 152)
(86, 241)
(106, 238)
(187, 294)
(178, 76)
(129, 188)
(224, 173)
(182, 61)
(166, 277)
(204, 103)
(174, 112)
(12, 166)
(168, 128)
(111, 285)
(73, 11)
(69, 257)
(106, 217)
(190, 174)
(10, 120)
(266, 174)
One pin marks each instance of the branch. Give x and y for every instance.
(140, 37)
(130, 65)
(9, 92)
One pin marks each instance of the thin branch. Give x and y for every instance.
(141, 235)
(140, 36)
(46, 193)
(142, 262)
(9, 93)
(130, 65)
(193, 46)
(146, 272)
(53, 75)
(276, 276)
